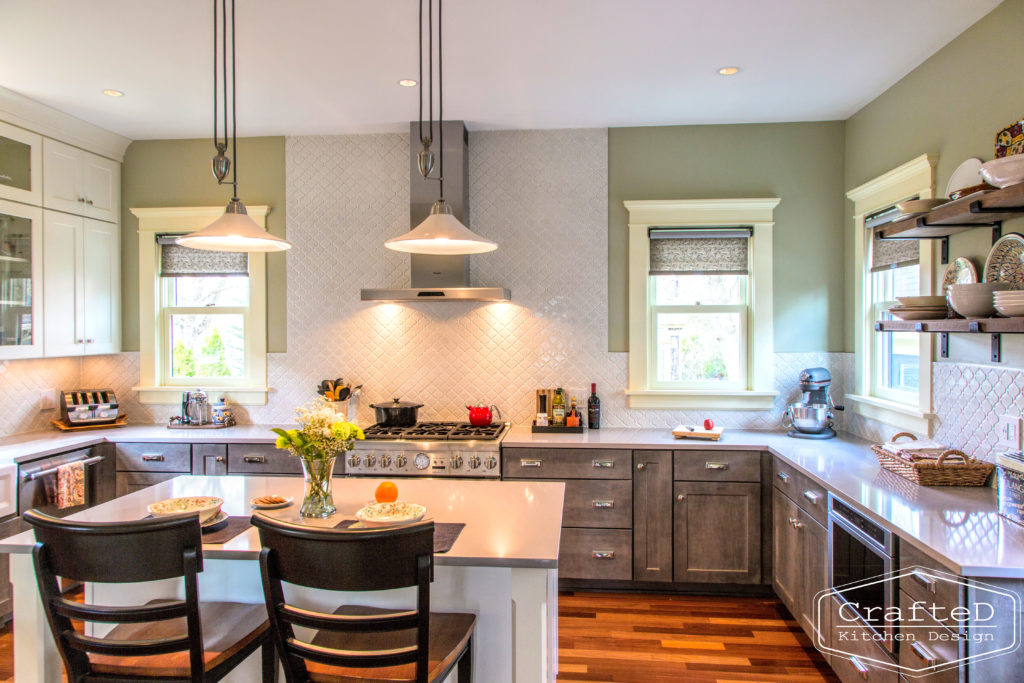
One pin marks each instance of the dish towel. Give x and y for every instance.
(70, 485)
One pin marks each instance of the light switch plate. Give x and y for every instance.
(1008, 433)
(47, 400)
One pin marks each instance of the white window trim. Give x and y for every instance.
(914, 178)
(151, 388)
(759, 215)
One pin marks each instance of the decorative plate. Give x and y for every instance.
(965, 175)
(217, 519)
(1010, 140)
(960, 272)
(1005, 263)
(271, 502)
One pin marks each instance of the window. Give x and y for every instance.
(202, 314)
(695, 311)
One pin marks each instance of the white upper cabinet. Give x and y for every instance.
(21, 286)
(21, 175)
(80, 182)
(81, 284)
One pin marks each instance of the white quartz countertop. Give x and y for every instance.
(958, 526)
(508, 523)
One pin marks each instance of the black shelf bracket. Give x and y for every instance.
(944, 345)
(922, 222)
(997, 233)
(997, 348)
(973, 326)
(977, 209)
(944, 259)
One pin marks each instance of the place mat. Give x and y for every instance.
(223, 534)
(445, 533)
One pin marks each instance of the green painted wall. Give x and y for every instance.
(951, 105)
(177, 173)
(799, 162)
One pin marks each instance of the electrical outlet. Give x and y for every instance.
(1008, 433)
(47, 401)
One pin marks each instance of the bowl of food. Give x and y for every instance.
(397, 513)
(206, 506)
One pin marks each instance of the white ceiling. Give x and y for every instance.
(332, 66)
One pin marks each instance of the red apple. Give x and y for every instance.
(709, 424)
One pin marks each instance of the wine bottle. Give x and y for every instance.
(593, 409)
(558, 408)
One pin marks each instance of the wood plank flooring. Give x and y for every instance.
(645, 638)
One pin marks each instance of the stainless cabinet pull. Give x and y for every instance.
(923, 653)
(812, 496)
(79, 341)
(783, 477)
(220, 458)
(859, 666)
(90, 341)
(604, 504)
(795, 523)
(681, 497)
(924, 580)
(603, 554)
(529, 463)
(254, 458)
(36, 474)
(716, 465)
(603, 463)
(152, 457)
(639, 465)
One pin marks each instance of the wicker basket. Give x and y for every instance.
(934, 467)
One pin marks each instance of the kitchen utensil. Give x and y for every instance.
(481, 414)
(1010, 140)
(808, 418)
(979, 189)
(196, 406)
(811, 416)
(206, 506)
(960, 271)
(1005, 171)
(398, 513)
(342, 394)
(916, 206)
(922, 301)
(397, 413)
(965, 175)
(697, 432)
(1005, 262)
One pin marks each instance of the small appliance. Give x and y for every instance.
(195, 409)
(88, 407)
(811, 416)
(481, 415)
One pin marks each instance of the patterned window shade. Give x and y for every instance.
(179, 261)
(697, 251)
(887, 254)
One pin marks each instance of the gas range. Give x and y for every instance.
(429, 449)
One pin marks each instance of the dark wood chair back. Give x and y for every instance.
(120, 552)
(346, 560)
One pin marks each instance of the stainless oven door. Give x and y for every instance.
(37, 480)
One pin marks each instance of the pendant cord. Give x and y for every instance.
(216, 84)
(430, 63)
(420, 82)
(440, 97)
(234, 110)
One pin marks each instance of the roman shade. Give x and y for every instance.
(887, 254)
(699, 251)
(179, 261)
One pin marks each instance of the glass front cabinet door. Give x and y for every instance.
(21, 267)
(21, 177)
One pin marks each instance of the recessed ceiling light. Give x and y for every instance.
(407, 83)
(728, 70)
(113, 93)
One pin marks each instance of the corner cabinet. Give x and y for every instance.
(79, 182)
(21, 267)
(81, 285)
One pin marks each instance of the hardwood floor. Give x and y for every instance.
(645, 638)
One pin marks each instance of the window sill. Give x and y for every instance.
(899, 415)
(701, 398)
(171, 396)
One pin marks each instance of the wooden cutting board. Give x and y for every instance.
(697, 432)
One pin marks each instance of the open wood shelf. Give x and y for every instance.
(945, 325)
(964, 214)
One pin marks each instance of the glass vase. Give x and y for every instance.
(318, 501)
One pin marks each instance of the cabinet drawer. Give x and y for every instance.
(598, 503)
(920, 585)
(154, 457)
(810, 496)
(855, 667)
(716, 466)
(596, 554)
(262, 458)
(933, 644)
(130, 482)
(566, 463)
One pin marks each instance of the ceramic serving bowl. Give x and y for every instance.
(390, 514)
(922, 301)
(979, 287)
(206, 506)
(1004, 172)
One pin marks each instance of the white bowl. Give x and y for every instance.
(917, 301)
(206, 506)
(979, 287)
(1015, 310)
(390, 514)
(1004, 172)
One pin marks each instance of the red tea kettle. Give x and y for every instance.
(481, 415)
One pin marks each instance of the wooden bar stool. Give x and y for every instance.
(162, 640)
(356, 643)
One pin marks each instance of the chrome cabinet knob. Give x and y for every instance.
(639, 465)
(681, 497)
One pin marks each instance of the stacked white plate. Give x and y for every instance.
(920, 307)
(1010, 304)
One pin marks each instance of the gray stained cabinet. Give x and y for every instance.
(652, 516)
(717, 532)
(800, 560)
(140, 465)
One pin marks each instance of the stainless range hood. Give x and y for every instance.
(439, 278)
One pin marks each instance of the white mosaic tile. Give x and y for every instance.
(22, 381)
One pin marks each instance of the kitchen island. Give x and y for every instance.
(502, 567)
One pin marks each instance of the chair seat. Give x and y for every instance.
(228, 628)
(449, 635)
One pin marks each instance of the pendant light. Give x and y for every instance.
(441, 233)
(234, 231)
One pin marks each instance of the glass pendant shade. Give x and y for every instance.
(234, 231)
(441, 233)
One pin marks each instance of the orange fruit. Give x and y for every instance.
(387, 492)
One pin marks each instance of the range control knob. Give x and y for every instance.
(456, 462)
(474, 462)
(371, 460)
(385, 461)
(353, 460)
(491, 462)
(401, 461)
